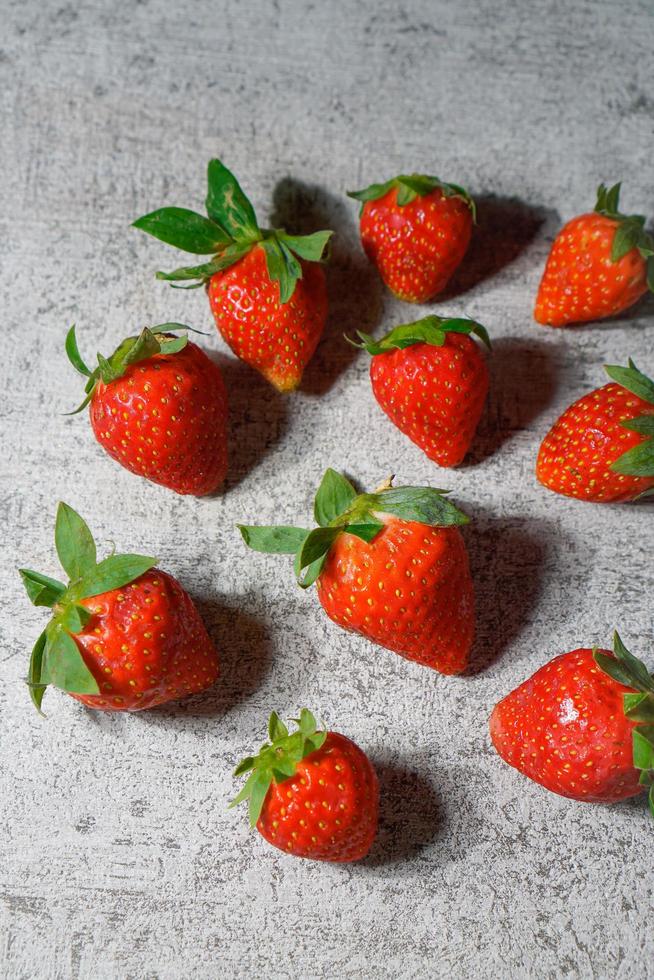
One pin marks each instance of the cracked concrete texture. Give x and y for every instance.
(119, 858)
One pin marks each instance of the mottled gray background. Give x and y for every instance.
(119, 857)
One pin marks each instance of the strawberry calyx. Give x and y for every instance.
(149, 342)
(628, 670)
(338, 508)
(228, 233)
(56, 659)
(277, 759)
(411, 186)
(431, 330)
(630, 232)
(638, 461)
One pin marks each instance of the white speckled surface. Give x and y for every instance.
(119, 858)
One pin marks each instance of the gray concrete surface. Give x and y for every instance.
(119, 858)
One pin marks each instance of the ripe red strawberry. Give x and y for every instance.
(602, 447)
(313, 794)
(158, 406)
(416, 230)
(582, 726)
(600, 264)
(123, 635)
(390, 565)
(266, 288)
(431, 380)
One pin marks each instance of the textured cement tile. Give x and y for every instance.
(119, 859)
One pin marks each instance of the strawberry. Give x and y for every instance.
(158, 406)
(602, 447)
(600, 264)
(266, 288)
(431, 380)
(313, 794)
(416, 230)
(582, 726)
(390, 565)
(123, 635)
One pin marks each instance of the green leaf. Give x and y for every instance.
(311, 557)
(141, 348)
(80, 408)
(132, 350)
(643, 745)
(410, 186)
(74, 618)
(429, 330)
(334, 496)
(306, 579)
(293, 266)
(638, 461)
(163, 328)
(64, 666)
(307, 722)
(173, 345)
(632, 379)
(608, 201)
(624, 668)
(617, 671)
(625, 238)
(283, 769)
(106, 371)
(282, 267)
(309, 247)
(277, 540)
(643, 424)
(112, 573)
(419, 184)
(373, 192)
(42, 590)
(650, 799)
(316, 545)
(650, 274)
(313, 743)
(425, 331)
(228, 206)
(228, 257)
(464, 326)
(189, 272)
(245, 765)
(276, 727)
(246, 788)
(367, 532)
(426, 505)
(135, 349)
(184, 229)
(74, 355)
(74, 543)
(639, 707)
(258, 793)
(637, 669)
(405, 194)
(613, 198)
(37, 689)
